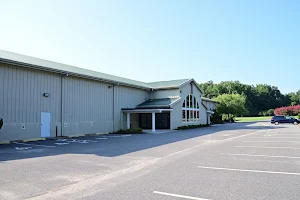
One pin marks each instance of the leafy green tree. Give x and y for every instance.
(259, 98)
(270, 112)
(231, 104)
(294, 97)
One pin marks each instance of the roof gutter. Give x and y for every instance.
(145, 110)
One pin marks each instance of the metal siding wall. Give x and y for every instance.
(159, 94)
(87, 106)
(176, 114)
(22, 101)
(126, 97)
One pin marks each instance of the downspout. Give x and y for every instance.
(61, 107)
(113, 116)
(62, 104)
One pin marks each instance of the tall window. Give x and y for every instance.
(190, 109)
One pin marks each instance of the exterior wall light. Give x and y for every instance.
(46, 94)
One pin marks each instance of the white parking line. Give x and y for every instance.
(37, 145)
(101, 138)
(178, 195)
(254, 155)
(270, 142)
(250, 170)
(283, 135)
(275, 137)
(266, 147)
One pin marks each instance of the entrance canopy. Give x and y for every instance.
(153, 111)
(152, 106)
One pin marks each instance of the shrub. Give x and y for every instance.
(288, 110)
(216, 118)
(228, 118)
(299, 116)
(131, 130)
(192, 126)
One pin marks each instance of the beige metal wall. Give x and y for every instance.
(126, 97)
(22, 101)
(159, 94)
(87, 106)
(92, 106)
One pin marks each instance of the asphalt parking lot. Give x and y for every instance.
(231, 161)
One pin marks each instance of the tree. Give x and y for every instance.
(231, 104)
(294, 97)
(270, 112)
(259, 98)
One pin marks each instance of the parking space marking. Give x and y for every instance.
(36, 145)
(22, 148)
(178, 196)
(101, 138)
(297, 134)
(61, 143)
(67, 141)
(275, 137)
(260, 147)
(255, 155)
(250, 170)
(270, 141)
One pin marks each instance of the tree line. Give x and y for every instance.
(241, 99)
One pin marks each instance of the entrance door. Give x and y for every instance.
(145, 120)
(162, 121)
(45, 124)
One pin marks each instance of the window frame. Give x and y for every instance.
(191, 108)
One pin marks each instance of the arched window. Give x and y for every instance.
(190, 109)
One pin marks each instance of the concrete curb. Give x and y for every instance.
(73, 136)
(5, 142)
(95, 134)
(33, 139)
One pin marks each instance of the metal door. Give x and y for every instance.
(45, 124)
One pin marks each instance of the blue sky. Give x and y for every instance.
(250, 41)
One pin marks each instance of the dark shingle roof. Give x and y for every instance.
(158, 103)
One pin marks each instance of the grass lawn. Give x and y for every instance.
(252, 119)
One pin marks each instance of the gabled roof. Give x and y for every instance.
(167, 84)
(158, 103)
(172, 84)
(31, 62)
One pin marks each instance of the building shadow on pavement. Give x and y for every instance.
(113, 145)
